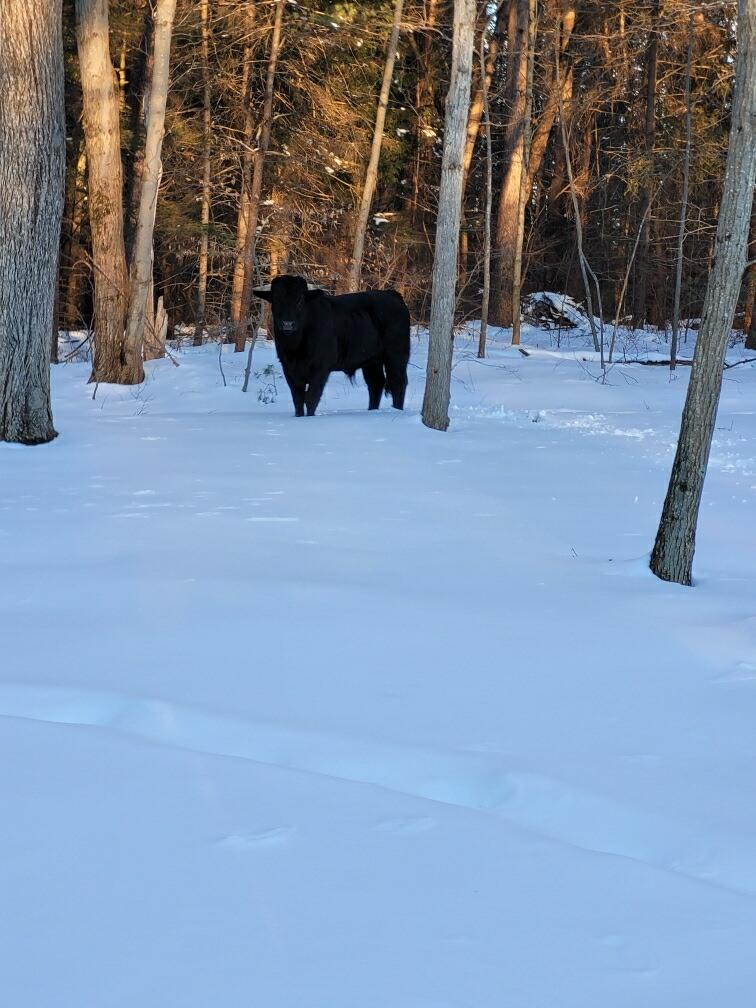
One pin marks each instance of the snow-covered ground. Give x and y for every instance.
(345, 713)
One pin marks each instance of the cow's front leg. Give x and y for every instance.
(315, 387)
(297, 392)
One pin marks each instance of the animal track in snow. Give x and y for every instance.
(475, 781)
(276, 837)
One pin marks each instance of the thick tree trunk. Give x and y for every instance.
(640, 299)
(507, 222)
(672, 556)
(443, 297)
(237, 284)
(32, 164)
(371, 174)
(240, 333)
(205, 207)
(102, 132)
(140, 312)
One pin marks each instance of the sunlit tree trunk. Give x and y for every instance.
(672, 556)
(248, 139)
(640, 300)
(258, 165)
(443, 297)
(507, 221)
(205, 207)
(140, 311)
(105, 186)
(32, 160)
(371, 174)
(683, 211)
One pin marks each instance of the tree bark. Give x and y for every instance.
(672, 555)
(240, 334)
(486, 294)
(509, 200)
(105, 174)
(640, 299)
(683, 208)
(441, 334)
(205, 207)
(246, 174)
(32, 164)
(371, 174)
(524, 191)
(139, 310)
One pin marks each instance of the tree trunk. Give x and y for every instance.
(486, 295)
(509, 200)
(683, 209)
(640, 299)
(371, 175)
(441, 335)
(205, 209)
(240, 334)
(672, 556)
(73, 268)
(102, 133)
(32, 164)
(246, 174)
(524, 191)
(141, 266)
(425, 90)
(749, 303)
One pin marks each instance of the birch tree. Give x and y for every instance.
(672, 555)
(443, 295)
(140, 285)
(105, 188)
(371, 174)
(32, 164)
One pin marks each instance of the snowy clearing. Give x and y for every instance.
(341, 712)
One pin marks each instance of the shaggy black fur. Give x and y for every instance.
(317, 333)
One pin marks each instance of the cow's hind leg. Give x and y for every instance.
(396, 379)
(372, 372)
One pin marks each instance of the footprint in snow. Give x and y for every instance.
(406, 825)
(276, 837)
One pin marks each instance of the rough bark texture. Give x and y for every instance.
(105, 185)
(443, 297)
(240, 333)
(371, 174)
(32, 165)
(141, 266)
(205, 207)
(517, 271)
(672, 556)
(509, 200)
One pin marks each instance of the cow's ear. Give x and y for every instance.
(312, 294)
(263, 292)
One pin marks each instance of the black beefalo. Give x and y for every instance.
(317, 333)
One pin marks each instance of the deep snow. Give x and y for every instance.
(344, 713)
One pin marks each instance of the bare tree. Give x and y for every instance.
(105, 188)
(248, 137)
(640, 308)
(443, 296)
(672, 555)
(371, 174)
(206, 142)
(683, 205)
(487, 210)
(524, 176)
(32, 162)
(141, 264)
(240, 334)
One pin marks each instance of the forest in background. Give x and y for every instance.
(633, 92)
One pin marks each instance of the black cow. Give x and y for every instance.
(317, 333)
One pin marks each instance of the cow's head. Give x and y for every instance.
(289, 296)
